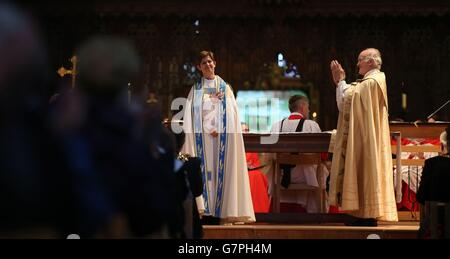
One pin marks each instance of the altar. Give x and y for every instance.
(420, 129)
(288, 143)
(319, 142)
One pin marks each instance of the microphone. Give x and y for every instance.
(431, 115)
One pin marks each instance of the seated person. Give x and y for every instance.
(299, 121)
(434, 184)
(435, 175)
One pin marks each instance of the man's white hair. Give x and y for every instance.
(443, 138)
(375, 55)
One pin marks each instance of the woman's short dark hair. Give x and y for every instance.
(203, 54)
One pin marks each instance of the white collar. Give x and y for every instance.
(297, 113)
(372, 71)
(209, 80)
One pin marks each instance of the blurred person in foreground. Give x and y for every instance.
(35, 192)
(123, 173)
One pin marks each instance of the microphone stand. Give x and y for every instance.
(431, 115)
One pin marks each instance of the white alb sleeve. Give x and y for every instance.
(340, 92)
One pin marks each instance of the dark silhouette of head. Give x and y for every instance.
(23, 63)
(106, 65)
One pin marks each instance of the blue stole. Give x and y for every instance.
(199, 91)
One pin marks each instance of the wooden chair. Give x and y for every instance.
(297, 159)
(414, 149)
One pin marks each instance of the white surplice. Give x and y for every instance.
(305, 174)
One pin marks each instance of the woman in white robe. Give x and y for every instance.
(212, 127)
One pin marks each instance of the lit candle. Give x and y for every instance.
(404, 98)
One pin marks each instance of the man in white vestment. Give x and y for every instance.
(361, 180)
(213, 133)
(299, 121)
